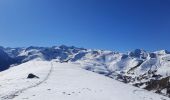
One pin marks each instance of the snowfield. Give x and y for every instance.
(65, 81)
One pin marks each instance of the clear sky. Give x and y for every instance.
(119, 25)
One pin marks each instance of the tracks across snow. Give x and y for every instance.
(13, 94)
(68, 81)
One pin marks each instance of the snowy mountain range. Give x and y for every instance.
(147, 70)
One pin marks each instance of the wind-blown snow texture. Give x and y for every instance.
(148, 70)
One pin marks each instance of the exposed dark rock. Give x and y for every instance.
(152, 55)
(139, 63)
(30, 76)
(138, 84)
(158, 84)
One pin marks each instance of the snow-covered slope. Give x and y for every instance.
(148, 70)
(65, 81)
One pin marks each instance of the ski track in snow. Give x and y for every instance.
(16, 93)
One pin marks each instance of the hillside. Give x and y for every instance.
(147, 70)
(65, 81)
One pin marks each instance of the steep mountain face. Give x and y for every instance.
(149, 70)
(5, 60)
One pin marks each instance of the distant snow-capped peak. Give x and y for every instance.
(137, 67)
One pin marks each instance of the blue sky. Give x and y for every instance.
(119, 25)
